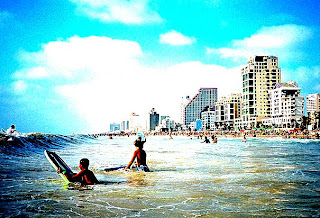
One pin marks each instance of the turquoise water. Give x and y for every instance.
(263, 177)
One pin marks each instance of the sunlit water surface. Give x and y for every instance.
(263, 177)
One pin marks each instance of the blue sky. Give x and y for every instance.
(76, 65)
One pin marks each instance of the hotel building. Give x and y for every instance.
(114, 127)
(228, 109)
(153, 120)
(313, 103)
(124, 125)
(135, 123)
(183, 103)
(208, 118)
(287, 105)
(260, 75)
(313, 109)
(206, 97)
(232, 108)
(219, 109)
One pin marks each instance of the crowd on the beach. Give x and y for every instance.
(284, 133)
(296, 133)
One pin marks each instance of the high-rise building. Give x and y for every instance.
(135, 123)
(287, 105)
(228, 109)
(183, 104)
(124, 125)
(313, 109)
(219, 108)
(153, 120)
(313, 103)
(206, 97)
(114, 127)
(208, 118)
(167, 123)
(260, 75)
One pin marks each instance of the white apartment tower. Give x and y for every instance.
(260, 75)
(124, 125)
(287, 105)
(219, 109)
(208, 118)
(228, 108)
(313, 109)
(313, 103)
(183, 103)
(135, 123)
(232, 108)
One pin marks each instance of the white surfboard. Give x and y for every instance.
(57, 162)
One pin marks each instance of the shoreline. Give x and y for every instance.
(194, 134)
(296, 134)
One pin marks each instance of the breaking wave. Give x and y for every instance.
(37, 142)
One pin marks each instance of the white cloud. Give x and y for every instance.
(129, 12)
(19, 87)
(175, 38)
(277, 40)
(103, 80)
(105, 100)
(188, 77)
(79, 57)
(275, 37)
(32, 73)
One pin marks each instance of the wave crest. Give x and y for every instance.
(37, 142)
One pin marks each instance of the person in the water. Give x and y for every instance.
(244, 139)
(85, 176)
(206, 140)
(140, 155)
(12, 131)
(215, 139)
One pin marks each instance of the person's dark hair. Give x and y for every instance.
(13, 126)
(85, 163)
(138, 144)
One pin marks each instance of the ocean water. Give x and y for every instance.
(263, 177)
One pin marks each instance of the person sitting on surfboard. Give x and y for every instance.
(12, 131)
(141, 156)
(85, 176)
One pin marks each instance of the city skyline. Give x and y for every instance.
(75, 66)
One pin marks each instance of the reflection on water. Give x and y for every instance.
(263, 177)
(139, 179)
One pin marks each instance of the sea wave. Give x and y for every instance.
(37, 142)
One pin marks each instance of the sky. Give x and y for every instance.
(75, 66)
